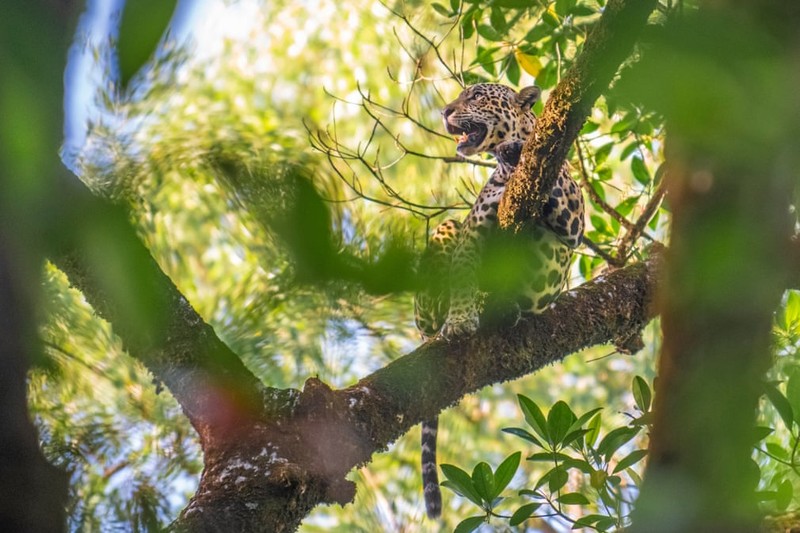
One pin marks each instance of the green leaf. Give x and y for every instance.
(564, 7)
(498, 19)
(628, 151)
(550, 19)
(573, 498)
(640, 171)
(142, 25)
(523, 513)
(760, 433)
(523, 434)
(581, 420)
(469, 524)
(594, 431)
(512, 70)
(589, 127)
(548, 457)
(559, 420)
(588, 520)
(538, 33)
(534, 416)
(558, 478)
(780, 403)
(459, 482)
(483, 481)
(630, 460)
(505, 472)
(454, 5)
(784, 495)
(601, 154)
(793, 392)
(641, 394)
(616, 439)
(489, 33)
(439, 8)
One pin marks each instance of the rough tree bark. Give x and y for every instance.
(729, 183)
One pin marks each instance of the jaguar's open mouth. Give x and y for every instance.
(468, 136)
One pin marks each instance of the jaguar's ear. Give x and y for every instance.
(528, 96)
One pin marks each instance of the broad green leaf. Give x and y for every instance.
(760, 433)
(534, 416)
(559, 420)
(588, 520)
(564, 7)
(558, 478)
(470, 524)
(601, 154)
(573, 498)
(439, 8)
(628, 150)
(549, 457)
(783, 497)
(640, 171)
(641, 394)
(483, 481)
(581, 420)
(630, 460)
(512, 70)
(594, 430)
(454, 5)
(523, 434)
(142, 25)
(505, 472)
(615, 439)
(489, 33)
(498, 19)
(605, 524)
(780, 403)
(523, 513)
(460, 482)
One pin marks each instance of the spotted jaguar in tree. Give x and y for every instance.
(454, 299)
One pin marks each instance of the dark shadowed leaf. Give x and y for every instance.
(523, 513)
(470, 524)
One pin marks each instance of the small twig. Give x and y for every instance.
(602, 204)
(638, 228)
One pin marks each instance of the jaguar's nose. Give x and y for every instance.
(447, 111)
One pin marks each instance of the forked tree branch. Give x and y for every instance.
(608, 44)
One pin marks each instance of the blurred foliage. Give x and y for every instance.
(205, 149)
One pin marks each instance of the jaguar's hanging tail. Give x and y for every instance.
(430, 478)
(431, 304)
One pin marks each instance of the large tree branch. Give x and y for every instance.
(156, 322)
(300, 461)
(607, 46)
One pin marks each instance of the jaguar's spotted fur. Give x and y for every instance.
(462, 259)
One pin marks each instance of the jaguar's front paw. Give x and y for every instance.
(459, 327)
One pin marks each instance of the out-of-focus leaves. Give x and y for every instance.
(141, 29)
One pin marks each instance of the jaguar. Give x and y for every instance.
(472, 269)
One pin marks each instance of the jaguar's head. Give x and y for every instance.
(487, 114)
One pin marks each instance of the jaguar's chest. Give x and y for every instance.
(484, 211)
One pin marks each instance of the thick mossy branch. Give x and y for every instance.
(292, 466)
(607, 46)
(103, 258)
(436, 375)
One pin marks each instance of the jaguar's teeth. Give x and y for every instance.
(463, 138)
